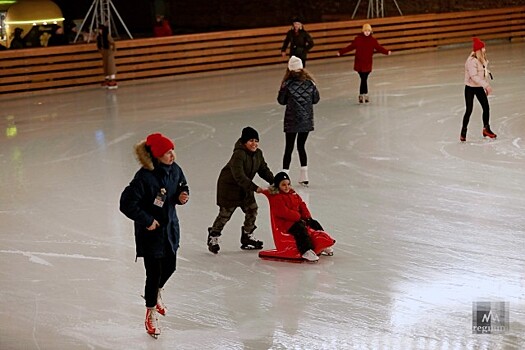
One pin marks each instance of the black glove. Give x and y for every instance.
(312, 223)
(297, 228)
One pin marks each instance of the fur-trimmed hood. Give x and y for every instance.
(274, 190)
(144, 157)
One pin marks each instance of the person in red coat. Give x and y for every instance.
(291, 215)
(365, 45)
(162, 27)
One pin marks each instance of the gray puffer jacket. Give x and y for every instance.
(299, 96)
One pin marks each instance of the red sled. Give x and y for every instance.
(285, 245)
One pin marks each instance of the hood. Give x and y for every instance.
(274, 190)
(143, 156)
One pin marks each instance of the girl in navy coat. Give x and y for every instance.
(150, 200)
(298, 93)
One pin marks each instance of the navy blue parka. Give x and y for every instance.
(137, 202)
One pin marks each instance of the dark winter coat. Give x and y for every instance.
(235, 187)
(364, 46)
(300, 43)
(137, 203)
(299, 96)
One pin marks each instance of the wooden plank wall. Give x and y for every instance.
(73, 66)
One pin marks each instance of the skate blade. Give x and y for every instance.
(154, 336)
(304, 184)
(251, 247)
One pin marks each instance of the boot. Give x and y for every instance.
(366, 98)
(488, 132)
(112, 85)
(248, 241)
(152, 323)
(310, 256)
(303, 177)
(161, 308)
(463, 136)
(213, 241)
(361, 98)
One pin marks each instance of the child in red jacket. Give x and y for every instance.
(365, 45)
(291, 215)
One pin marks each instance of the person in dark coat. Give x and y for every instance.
(58, 37)
(235, 188)
(298, 93)
(150, 201)
(17, 42)
(299, 40)
(365, 45)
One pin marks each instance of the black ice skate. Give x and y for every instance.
(248, 241)
(213, 241)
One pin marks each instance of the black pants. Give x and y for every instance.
(158, 271)
(480, 94)
(363, 87)
(289, 146)
(302, 238)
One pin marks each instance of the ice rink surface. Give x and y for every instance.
(425, 225)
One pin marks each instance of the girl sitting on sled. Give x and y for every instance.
(290, 215)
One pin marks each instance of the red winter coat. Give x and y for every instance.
(364, 46)
(287, 208)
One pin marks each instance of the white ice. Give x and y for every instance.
(425, 225)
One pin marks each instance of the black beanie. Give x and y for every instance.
(249, 133)
(280, 177)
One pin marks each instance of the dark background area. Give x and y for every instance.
(207, 15)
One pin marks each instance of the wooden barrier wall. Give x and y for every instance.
(72, 66)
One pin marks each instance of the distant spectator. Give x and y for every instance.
(17, 42)
(58, 37)
(106, 46)
(162, 27)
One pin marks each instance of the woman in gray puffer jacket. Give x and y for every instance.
(298, 93)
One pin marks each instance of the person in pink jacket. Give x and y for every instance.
(365, 45)
(476, 84)
(291, 215)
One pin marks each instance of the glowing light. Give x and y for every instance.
(36, 21)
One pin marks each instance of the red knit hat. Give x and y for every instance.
(477, 44)
(159, 144)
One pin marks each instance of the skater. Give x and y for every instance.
(150, 200)
(365, 45)
(235, 188)
(299, 40)
(476, 84)
(299, 93)
(291, 215)
(106, 46)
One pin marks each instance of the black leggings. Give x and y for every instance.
(289, 145)
(480, 94)
(158, 271)
(363, 87)
(302, 239)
